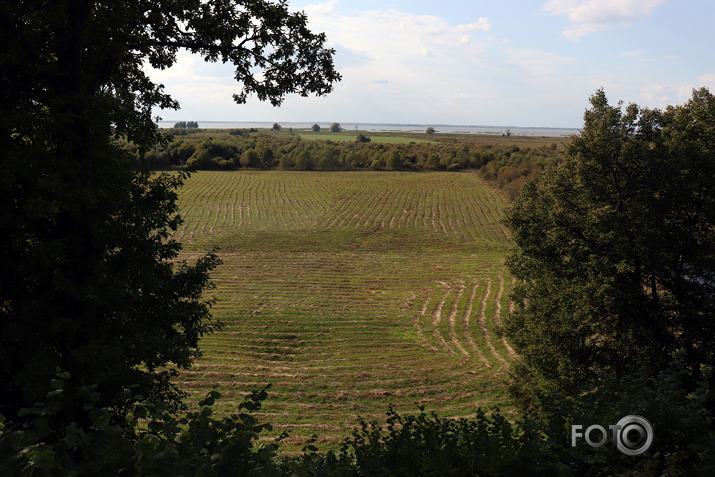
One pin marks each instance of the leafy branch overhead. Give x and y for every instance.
(251, 35)
(84, 47)
(90, 280)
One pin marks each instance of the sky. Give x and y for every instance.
(473, 62)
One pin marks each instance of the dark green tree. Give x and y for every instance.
(276, 127)
(286, 162)
(615, 249)
(250, 158)
(304, 161)
(335, 127)
(315, 128)
(395, 158)
(89, 281)
(265, 155)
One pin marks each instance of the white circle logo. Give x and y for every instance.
(634, 435)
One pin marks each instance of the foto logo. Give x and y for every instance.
(632, 435)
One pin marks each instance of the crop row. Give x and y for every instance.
(455, 208)
(347, 292)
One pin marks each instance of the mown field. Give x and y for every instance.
(350, 291)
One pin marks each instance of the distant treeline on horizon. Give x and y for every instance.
(386, 127)
(505, 166)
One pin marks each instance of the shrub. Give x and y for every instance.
(304, 162)
(154, 442)
(425, 444)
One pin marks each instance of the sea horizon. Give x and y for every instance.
(390, 127)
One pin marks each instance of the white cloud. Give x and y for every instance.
(684, 93)
(418, 58)
(656, 95)
(482, 24)
(590, 16)
(707, 80)
(397, 65)
(320, 8)
(661, 96)
(390, 33)
(541, 64)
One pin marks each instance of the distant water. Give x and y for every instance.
(413, 128)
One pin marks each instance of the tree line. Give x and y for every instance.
(185, 125)
(334, 127)
(505, 167)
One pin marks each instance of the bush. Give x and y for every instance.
(426, 444)
(304, 162)
(250, 158)
(154, 442)
(684, 438)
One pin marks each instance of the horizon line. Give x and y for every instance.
(376, 124)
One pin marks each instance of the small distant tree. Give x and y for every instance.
(395, 159)
(192, 125)
(276, 127)
(316, 128)
(354, 160)
(250, 158)
(180, 125)
(508, 132)
(265, 155)
(335, 127)
(304, 162)
(377, 159)
(433, 161)
(329, 158)
(362, 138)
(429, 130)
(286, 162)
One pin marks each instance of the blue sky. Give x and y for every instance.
(502, 63)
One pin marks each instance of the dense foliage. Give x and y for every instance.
(506, 167)
(89, 281)
(153, 441)
(615, 305)
(615, 248)
(150, 441)
(615, 256)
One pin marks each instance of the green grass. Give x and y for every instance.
(347, 292)
(352, 137)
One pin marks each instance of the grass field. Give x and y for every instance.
(350, 291)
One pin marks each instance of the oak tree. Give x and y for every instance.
(615, 249)
(89, 281)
